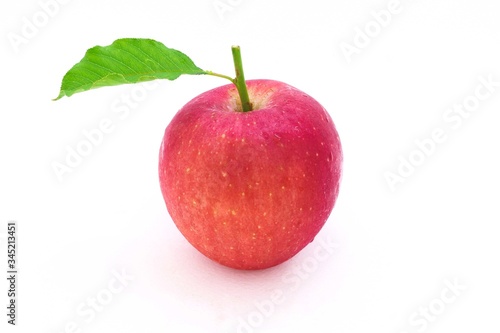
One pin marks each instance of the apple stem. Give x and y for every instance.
(239, 81)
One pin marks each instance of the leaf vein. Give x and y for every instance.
(118, 61)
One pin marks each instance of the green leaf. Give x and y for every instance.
(127, 60)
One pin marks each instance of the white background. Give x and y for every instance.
(396, 251)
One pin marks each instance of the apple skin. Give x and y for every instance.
(249, 190)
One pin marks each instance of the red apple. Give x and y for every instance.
(250, 189)
(249, 171)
